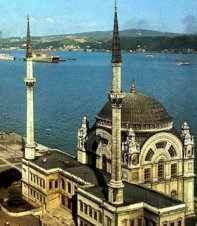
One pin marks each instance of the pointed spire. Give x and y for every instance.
(28, 41)
(116, 50)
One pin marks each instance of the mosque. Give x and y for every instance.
(132, 167)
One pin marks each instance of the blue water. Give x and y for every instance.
(66, 91)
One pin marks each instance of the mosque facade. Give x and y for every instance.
(132, 167)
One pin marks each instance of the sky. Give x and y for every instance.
(72, 16)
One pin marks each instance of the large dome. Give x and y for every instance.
(139, 112)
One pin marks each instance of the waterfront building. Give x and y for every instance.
(132, 167)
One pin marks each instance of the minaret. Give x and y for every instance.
(29, 82)
(115, 186)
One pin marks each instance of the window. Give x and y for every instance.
(56, 184)
(90, 211)
(161, 169)
(81, 222)
(147, 175)
(34, 178)
(50, 184)
(100, 217)
(70, 204)
(124, 222)
(174, 170)
(95, 215)
(63, 200)
(131, 222)
(43, 183)
(69, 187)
(85, 208)
(81, 206)
(37, 180)
(139, 222)
(135, 176)
(161, 144)
(63, 184)
(108, 221)
(172, 151)
(149, 155)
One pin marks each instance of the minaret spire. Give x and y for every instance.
(116, 49)
(28, 41)
(115, 186)
(29, 82)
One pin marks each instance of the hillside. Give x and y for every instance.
(101, 40)
(106, 35)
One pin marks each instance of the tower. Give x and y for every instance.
(115, 186)
(188, 168)
(29, 82)
(82, 156)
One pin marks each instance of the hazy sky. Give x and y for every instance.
(69, 16)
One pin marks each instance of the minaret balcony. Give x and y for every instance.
(30, 81)
(116, 98)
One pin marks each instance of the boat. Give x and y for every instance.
(183, 63)
(8, 57)
(150, 55)
(44, 57)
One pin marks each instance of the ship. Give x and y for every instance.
(44, 57)
(183, 63)
(8, 57)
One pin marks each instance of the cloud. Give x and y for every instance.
(50, 20)
(190, 24)
(136, 24)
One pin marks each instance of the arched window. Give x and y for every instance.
(173, 170)
(147, 175)
(161, 169)
(63, 184)
(172, 151)
(69, 187)
(161, 144)
(149, 155)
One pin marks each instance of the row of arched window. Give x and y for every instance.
(160, 171)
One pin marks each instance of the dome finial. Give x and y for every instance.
(133, 87)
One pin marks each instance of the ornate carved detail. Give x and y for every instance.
(30, 82)
(130, 150)
(188, 141)
(116, 99)
(82, 134)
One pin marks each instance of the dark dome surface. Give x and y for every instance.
(139, 112)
